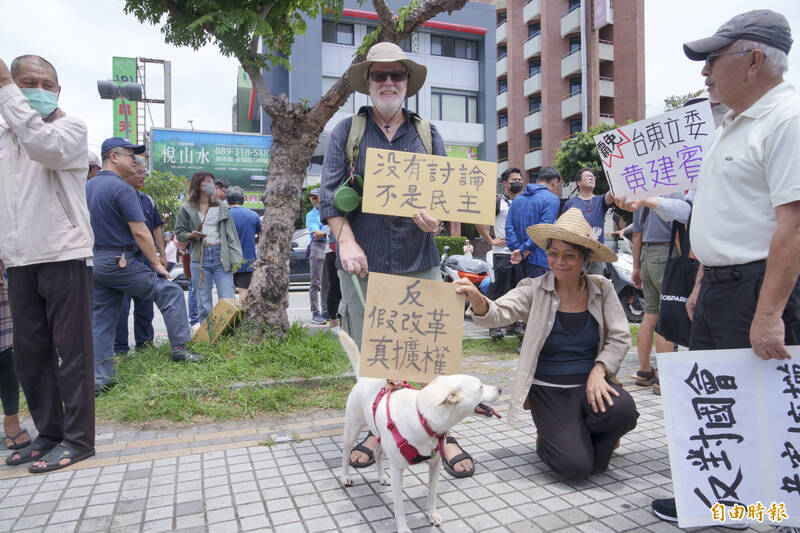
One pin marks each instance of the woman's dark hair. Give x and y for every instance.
(584, 251)
(193, 196)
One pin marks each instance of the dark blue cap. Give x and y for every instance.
(314, 192)
(117, 142)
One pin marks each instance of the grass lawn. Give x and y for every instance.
(229, 382)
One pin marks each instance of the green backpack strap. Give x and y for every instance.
(357, 128)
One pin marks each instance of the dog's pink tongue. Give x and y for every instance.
(487, 411)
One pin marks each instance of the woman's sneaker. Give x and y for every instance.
(665, 509)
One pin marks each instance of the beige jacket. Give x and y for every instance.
(43, 167)
(535, 301)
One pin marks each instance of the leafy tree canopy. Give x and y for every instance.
(675, 101)
(165, 189)
(580, 151)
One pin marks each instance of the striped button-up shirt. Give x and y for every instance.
(391, 244)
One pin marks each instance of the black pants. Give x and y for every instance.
(9, 386)
(143, 333)
(506, 275)
(576, 441)
(51, 311)
(725, 311)
(334, 291)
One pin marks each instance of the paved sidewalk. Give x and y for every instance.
(280, 474)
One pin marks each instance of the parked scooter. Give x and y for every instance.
(619, 272)
(455, 267)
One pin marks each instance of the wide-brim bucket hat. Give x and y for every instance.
(386, 53)
(571, 227)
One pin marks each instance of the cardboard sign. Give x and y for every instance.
(218, 321)
(412, 329)
(733, 430)
(658, 155)
(448, 188)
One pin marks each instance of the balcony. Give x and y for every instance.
(533, 84)
(502, 135)
(607, 87)
(500, 32)
(571, 105)
(607, 119)
(502, 100)
(531, 10)
(532, 47)
(606, 51)
(533, 121)
(501, 67)
(571, 63)
(502, 166)
(533, 159)
(571, 21)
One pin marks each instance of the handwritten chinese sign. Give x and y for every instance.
(733, 433)
(658, 155)
(412, 329)
(402, 183)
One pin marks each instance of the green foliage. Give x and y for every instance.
(580, 151)
(403, 12)
(369, 39)
(677, 101)
(234, 23)
(164, 188)
(229, 382)
(305, 206)
(456, 244)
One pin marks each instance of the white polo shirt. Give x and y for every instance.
(751, 166)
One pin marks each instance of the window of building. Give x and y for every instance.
(337, 33)
(534, 140)
(574, 44)
(534, 67)
(502, 152)
(451, 47)
(534, 104)
(502, 85)
(574, 86)
(574, 4)
(575, 126)
(533, 175)
(412, 104)
(534, 29)
(501, 17)
(454, 106)
(501, 51)
(502, 119)
(349, 105)
(406, 44)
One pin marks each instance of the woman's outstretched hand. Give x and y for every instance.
(479, 305)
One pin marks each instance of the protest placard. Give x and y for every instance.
(658, 155)
(733, 430)
(412, 329)
(448, 188)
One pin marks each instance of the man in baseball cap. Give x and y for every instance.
(746, 208)
(118, 142)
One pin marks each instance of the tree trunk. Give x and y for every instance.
(294, 137)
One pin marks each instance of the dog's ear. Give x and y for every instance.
(454, 396)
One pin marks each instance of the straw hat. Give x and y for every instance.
(571, 227)
(386, 53)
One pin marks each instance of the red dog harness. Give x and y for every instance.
(409, 452)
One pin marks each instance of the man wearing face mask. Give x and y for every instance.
(506, 275)
(122, 243)
(43, 155)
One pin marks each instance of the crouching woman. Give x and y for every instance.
(575, 340)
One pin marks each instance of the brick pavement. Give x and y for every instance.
(280, 474)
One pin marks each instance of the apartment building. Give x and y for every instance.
(563, 66)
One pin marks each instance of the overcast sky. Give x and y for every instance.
(80, 36)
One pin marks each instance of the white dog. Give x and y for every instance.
(411, 427)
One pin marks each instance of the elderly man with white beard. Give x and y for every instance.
(380, 243)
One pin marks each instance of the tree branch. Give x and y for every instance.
(426, 11)
(387, 19)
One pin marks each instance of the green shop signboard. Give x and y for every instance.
(125, 118)
(242, 159)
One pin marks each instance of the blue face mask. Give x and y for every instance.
(42, 101)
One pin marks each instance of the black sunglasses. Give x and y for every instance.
(396, 75)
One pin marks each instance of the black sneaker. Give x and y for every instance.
(496, 333)
(189, 357)
(664, 508)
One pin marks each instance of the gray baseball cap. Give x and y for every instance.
(760, 25)
(314, 192)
